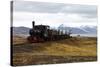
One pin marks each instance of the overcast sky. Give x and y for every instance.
(53, 14)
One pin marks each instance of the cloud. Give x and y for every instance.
(40, 7)
(51, 19)
(53, 14)
(87, 11)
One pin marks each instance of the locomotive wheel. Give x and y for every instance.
(34, 39)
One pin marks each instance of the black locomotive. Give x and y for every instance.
(41, 33)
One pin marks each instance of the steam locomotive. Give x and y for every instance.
(42, 33)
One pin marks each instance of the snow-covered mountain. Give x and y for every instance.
(80, 30)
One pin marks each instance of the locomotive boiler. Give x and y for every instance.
(42, 33)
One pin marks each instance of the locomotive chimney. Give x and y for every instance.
(33, 23)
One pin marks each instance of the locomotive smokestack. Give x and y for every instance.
(33, 23)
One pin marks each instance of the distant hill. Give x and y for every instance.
(21, 30)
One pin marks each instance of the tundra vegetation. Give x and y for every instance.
(75, 49)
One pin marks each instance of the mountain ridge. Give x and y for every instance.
(74, 30)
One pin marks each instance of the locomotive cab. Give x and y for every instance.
(38, 32)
